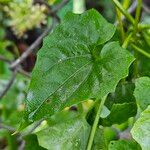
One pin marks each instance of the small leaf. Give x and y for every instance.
(105, 112)
(99, 142)
(32, 143)
(122, 105)
(123, 94)
(123, 145)
(120, 113)
(102, 138)
(63, 115)
(70, 135)
(71, 66)
(142, 92)
(141, 129)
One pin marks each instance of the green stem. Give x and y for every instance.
(135, 30)
(136, 70)
(120, 24)
(137, 16)
(146, 38)
(127, 40)
(124, 12)
(143, 26)
(125, 45)
(126, 4)
(141, 51)
(78, 6)
(94, 127)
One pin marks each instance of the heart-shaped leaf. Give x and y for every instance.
(72, 67)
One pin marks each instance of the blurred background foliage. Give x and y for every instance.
(21, 23)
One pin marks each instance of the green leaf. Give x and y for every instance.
(12, 104)
(122, 105)
(141, 129)
(72, 134)
(123, 145)
(102, 138)
(99, 142)
(71, 66)
(120, 113)
(123, 94)
(68, 7)
(143, 62)
(142, 92)
(63, 115)
(32, 143)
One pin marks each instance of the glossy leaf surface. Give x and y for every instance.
(67, 135)
(142, 92)
(72, 67)
(123, 145)
(141, 129)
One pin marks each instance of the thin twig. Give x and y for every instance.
(33, 128)
(9, 84)
(22, 72)
(9, 128)
(17, 62)
(19, 69)
(13, 130)
(2, 58)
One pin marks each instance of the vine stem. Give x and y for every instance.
(120, 24)
(127, 40)
(8, 86)
(137, 16)
(94, 127)
(143, 26)
(78, 6)
(126, 4)
(140, 50)
(125, 45)
(124, 12)
(135, 30)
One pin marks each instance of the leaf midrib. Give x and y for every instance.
(68, 58)
(61, 86)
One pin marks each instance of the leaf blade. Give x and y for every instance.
(141, 92)
(73, 136)
(68, 71)
(140, 130)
